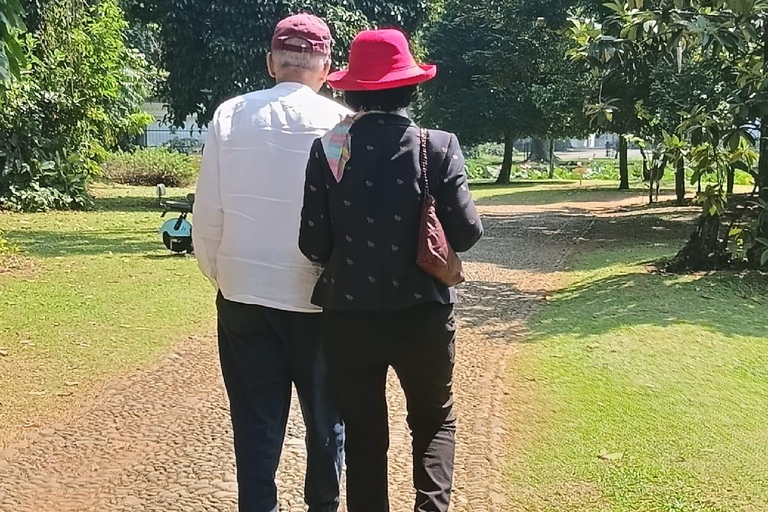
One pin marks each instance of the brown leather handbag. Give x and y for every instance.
(434, 254)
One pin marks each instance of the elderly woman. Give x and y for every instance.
(361, 218)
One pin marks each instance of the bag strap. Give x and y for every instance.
(424, 161)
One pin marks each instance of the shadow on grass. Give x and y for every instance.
(727, 303)
(84, 243)
(134, 203)
(558, 232)
(557, 195)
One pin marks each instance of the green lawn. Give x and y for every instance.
(665, 376)
(96, 295)
(538, 193)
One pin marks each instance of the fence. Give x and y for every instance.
(154, 137)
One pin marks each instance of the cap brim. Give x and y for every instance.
(342, 81)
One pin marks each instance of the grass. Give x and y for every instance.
(540, 193)
(665, 376)
(537, 193)
(97, 296)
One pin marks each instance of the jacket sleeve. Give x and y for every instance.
(456, 209)
(207, 210)
(316, 233)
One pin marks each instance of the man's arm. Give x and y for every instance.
(208, 215)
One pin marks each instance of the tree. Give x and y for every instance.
(79, 93)
(463, 98)
(618, 84)
(501, 74)
(732, 35)
(11, 54)
(215, 50)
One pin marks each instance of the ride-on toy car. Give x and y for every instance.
(176, 233)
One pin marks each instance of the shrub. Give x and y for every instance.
(60, 183)
(79, 92)
(152, 166)
(187, 146)
(485, 149)
(483, 168)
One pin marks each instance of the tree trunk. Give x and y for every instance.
(703, 251)
(680, 180)
(762, 173)
(623, 164)
(731, 179)
(539, 151)
(651, 180)
(551, 158)
(506, 164)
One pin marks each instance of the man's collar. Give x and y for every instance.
(291, 86)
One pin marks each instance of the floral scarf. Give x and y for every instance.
(337, 143)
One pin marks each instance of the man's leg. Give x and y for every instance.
(255, 370)
(325, 434)
(357, 373)
(424, 364)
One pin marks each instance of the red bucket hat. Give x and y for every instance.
(380, 59)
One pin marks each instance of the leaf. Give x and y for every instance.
(764, 258)
(762, 240)
(733, 139)
(739, 6)
(605, 455)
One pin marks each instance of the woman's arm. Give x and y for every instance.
(316, 234)
(456, 209)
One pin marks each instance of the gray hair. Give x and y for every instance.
(311, 61)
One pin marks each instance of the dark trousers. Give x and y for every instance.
(263, 351)
(419, 343)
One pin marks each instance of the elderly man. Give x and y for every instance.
(247, 214)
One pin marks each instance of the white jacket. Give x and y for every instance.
(249, 195)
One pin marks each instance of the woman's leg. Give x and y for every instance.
(424, 363)
(357, 374)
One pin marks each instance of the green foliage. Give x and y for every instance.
(187, 145)
(483, 167)
(715, 56)
(748, 237)
(502, 73)
(36, 186)
(485, 149)
(150, 167)
(212, 53)
(11, 54)
(78, 95)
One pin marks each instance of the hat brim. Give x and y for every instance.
(343, 81)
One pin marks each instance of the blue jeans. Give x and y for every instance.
(263, 351)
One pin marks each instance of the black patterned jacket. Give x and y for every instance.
(364, 229)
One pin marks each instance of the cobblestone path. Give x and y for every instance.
(160, 440)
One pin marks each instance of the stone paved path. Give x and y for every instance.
(160, 440)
